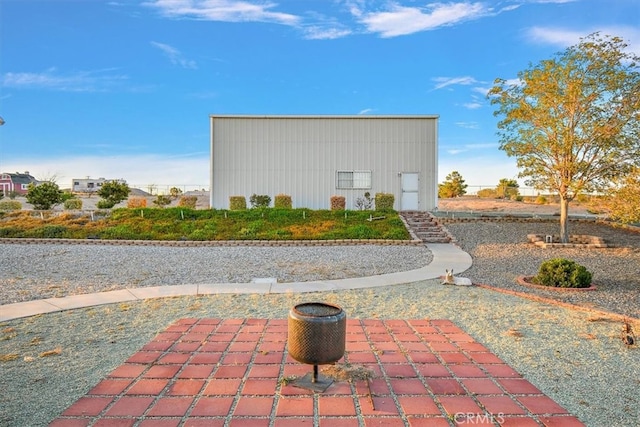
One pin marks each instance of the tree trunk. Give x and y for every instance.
(564, 220)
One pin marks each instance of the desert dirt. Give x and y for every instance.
(475, 204)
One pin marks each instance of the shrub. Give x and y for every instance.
(487, 193)
(384, 201)
(73, 204)
(237, 203)
(259, 201)
(188, 202)
(507, 189)
(175, 192)
(282, 201)
(563, 273)
(113, 192)
(541, 200)
(162, 200)
(364, 203)
(10, 205)
(105, 204)
(50, 232)
(137, 202)
(44, 196)
(338, 203)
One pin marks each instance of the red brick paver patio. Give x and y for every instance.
(236, 372)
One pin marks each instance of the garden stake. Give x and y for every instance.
(373, 406)
(628, 337)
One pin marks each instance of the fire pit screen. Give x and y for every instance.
(316, 336)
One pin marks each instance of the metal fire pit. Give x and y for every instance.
(317, 337)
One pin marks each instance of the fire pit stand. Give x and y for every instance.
(316, 336)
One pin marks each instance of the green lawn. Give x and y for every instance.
(210, 224)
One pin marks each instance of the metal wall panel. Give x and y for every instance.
(299, 156)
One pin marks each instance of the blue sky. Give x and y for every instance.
(124, 89)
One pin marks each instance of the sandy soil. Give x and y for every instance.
(475, 204)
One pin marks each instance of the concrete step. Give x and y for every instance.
(425, 227)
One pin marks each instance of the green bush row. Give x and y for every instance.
(383, 202)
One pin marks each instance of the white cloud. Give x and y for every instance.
(484, 91)
(442, 82)
(365, 111)
(174, 55)
(224, 10)
(482, 145)
(563, 37)
(468, 125)
(472, 105)
(188, 171)
(552, 1)
(400, 20)
(321, 32)
(80, 81)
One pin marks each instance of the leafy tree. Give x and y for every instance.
(112, 193)
(453, 186)
(162, 200)
(573, 122)
(44, 195)
(175, 192)
(507, 188)
(624, 203)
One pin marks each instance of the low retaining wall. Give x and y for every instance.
(186, 243)
(575, 241)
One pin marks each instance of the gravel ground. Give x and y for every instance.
(576, 358)
(29, 272)
(500, 253)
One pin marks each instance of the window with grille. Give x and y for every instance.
(357, 180)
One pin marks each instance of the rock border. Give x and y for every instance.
(187, 243)
(523, 281)
(584, 241)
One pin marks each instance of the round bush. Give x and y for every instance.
(105, 204)
(563, 273)
(73, 204)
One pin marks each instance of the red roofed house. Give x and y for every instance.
(16, 182)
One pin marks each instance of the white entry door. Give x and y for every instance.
(410, 185)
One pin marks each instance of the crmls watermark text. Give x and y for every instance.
(474, 418)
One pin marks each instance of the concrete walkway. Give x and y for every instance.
(445, 256)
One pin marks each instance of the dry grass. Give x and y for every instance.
(55, 352)
(347, 372)
(9, 357)
(513, 332)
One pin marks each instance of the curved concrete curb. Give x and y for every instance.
(445, 256)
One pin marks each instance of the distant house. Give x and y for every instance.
(90, 185)
(17, 183)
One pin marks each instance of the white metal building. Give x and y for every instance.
(312, 158)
